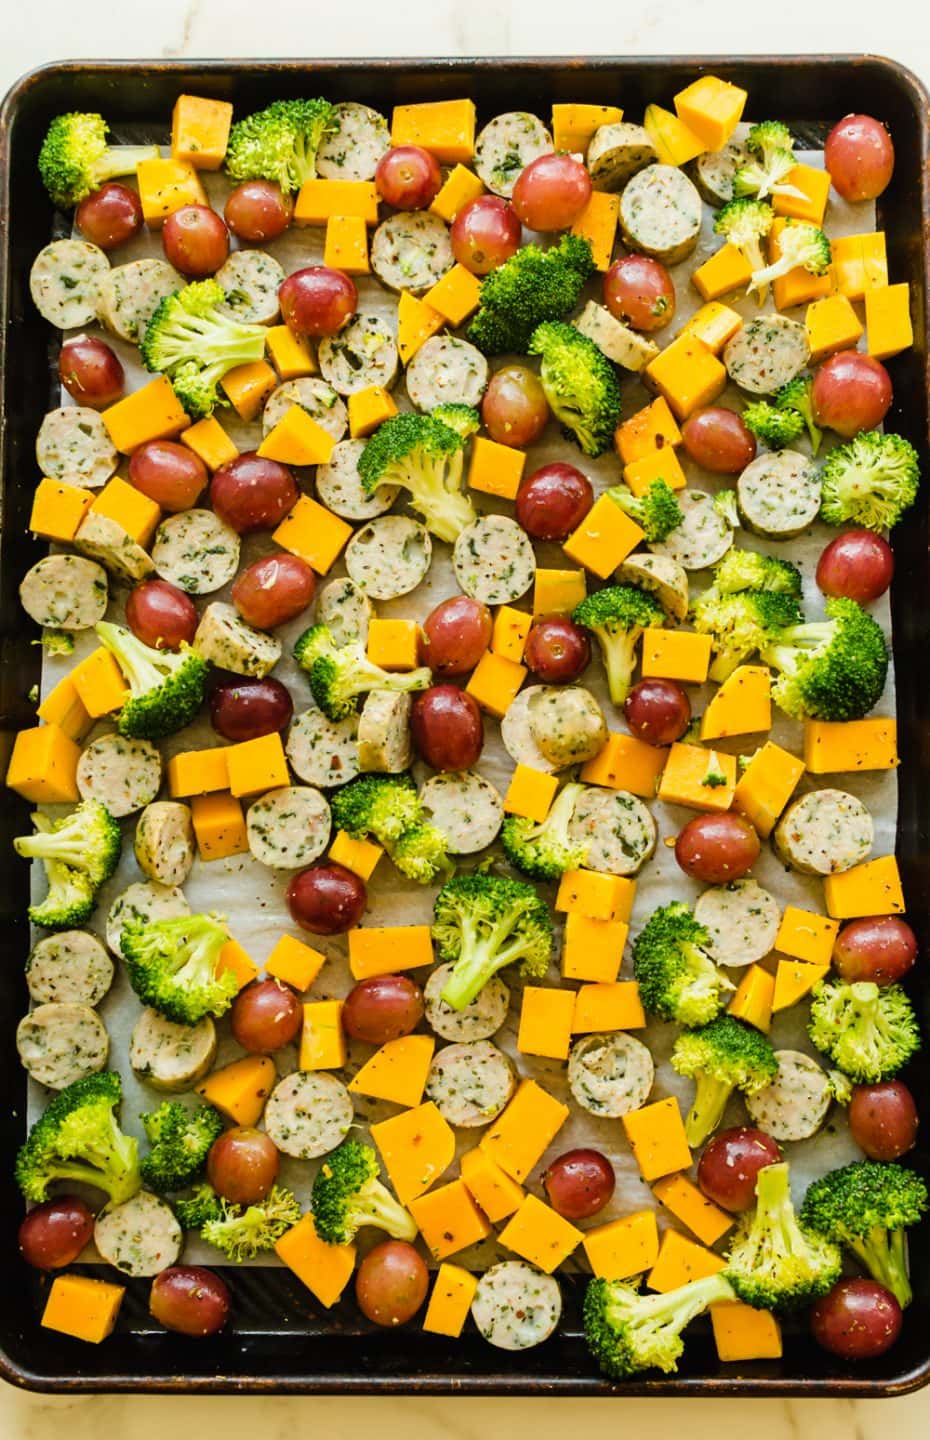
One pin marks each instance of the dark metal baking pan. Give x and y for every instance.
(282, 1341)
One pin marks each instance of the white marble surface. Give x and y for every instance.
(57, 29)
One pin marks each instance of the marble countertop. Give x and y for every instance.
(62, 29)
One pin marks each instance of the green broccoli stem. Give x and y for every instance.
(710, 1101)
(111, 1164)
(619, 652)
(204, 954)
(774, 1208)
(120, 160)
(680, 1306)
(375, 1205)
(65, 846)
(131, 655)
(723, 665)
(884, 1255)
(479, 959)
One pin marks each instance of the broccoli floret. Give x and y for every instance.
(165, 686)
(172, 966)
(580, 384)
(617, 615)
(869, 1031)
(340, 673)
(772, 150)
(832, 669)
(796, 397)
(775, 428)
(627, 1331)
(463, 419)
(532, 286)
(280, 143)
(348, 1193)
(745, 224)
(868, 1209)
(79, 1139)
(677, 978)
(180, 1139)
(726, 506)
(801, 246)
(194, 1210)
(424, 456)
(483, 923)
(869, 481)
(751, 570)
(87, 840)
(775, 1261)
(741, 623)
(75, 158)
(56, 642)
(656, 512)
(243, 1231)
(545, 851)
(422, 853)
(388, 807)
(723, 1056)
(71, 897)
(190, 340)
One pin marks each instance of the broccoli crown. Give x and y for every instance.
(751, 570)
(745, 223)
(677, 978)
(776, 428)
(869, 1031)
(801, 246)
(741, 623)
(463, 419)
(657, 512)
(78, 1138)
(869, 481)
(484, 922)
(243, 1231)
(280, 143)
(165, 686)
(545, 850)
(627, 1331)
(339, 674)
(580, 383)
(768, 135)
(88, 840)
(348, 1193)
(190, 339)
(172, 966)
(832, 669)
(180, 1139)
(424, 455)
(868, 1208)
(796, 396)
(617, 615)
(56, 642)
(532, 286)
(775, 1261)
(422, 853)
(722, 1056)
(75, 158)
(194, 1210)
(771, 147)
(70, 900)
(380, 805)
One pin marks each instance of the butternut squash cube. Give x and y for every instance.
(248, 387)
(832, 325)
(99, 683)
(392, 644)
(380, 950)
(290, 354)
(294, 963)
(43, 766)
(741, 705)
(596, 894)
(508, 637)
(233, 957)
(417, 1146)
(297, 439)
(492, 1188)
(615, 1006)
(444, 127)
(449, 1219)
(322, 1042)
(495, 469)
(715, 324)
(712, 109)
(257, 765)
(573, 126)
(859, 263)
(623, 1248)
(680, 1261)
(605, 537)
(83, 1308)
(626, 763)
(766, 786)
(675, 655)
(793, 980)
(688, 374)
(657, 465)
(325, 1269)
(806, 936)
(815, 185)
(593, 949)
(530, 793)
(546, 1022)
(701, 779)
(743, 1333)
(318, 200)
(129, 508)
(64, 707)
(460, 187)
(200, 131)
(197, 772)
(538, 1234)
(219, 826)
(368, 409)
(656, 1135)
(597, 224)
(753, 1000)
(557, 592)
(166, 185)
(209, 441)
(524, 1130)
(417, 322)
(455, 296)
(494, 682)
(58, 509)
(240, 1090)
(652, 428)
(688, 1204)
(450, 1302)
(674, 142)
(831, 746)
(873, 888)
(888, 320)
(359, 856)
(314, 533)
(152, 413)
(346, 244)
(397, 1072)
(726, 270)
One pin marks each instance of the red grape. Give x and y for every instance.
(54, 1233)
(557, 650)
(657, 711)
(195, 241)
(265, 1016)
(484, 234)
(553, 501)
(190, 1300)
(110, 216)
(514, 408)
(857, 565)
(455, 635)
(851, 392)
(447, 728)
(408, 177)
(391, 1283)
(90, 372)
(880, 948)
(860, 157)
(317, 300)
(257, 210)
(251, 493)
(273, 590)
(716, 849)
(639, 291)
(857, 1320)
(730, 1164)
(717, 440)
(327, 899)
(382, 1008)
(883, 1119)
(247, 709)
(579, 1183)
(161, 615)
(551, 192)
(242, 1165)
(168, 473)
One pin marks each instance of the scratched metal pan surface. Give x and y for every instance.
(282, 1341)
